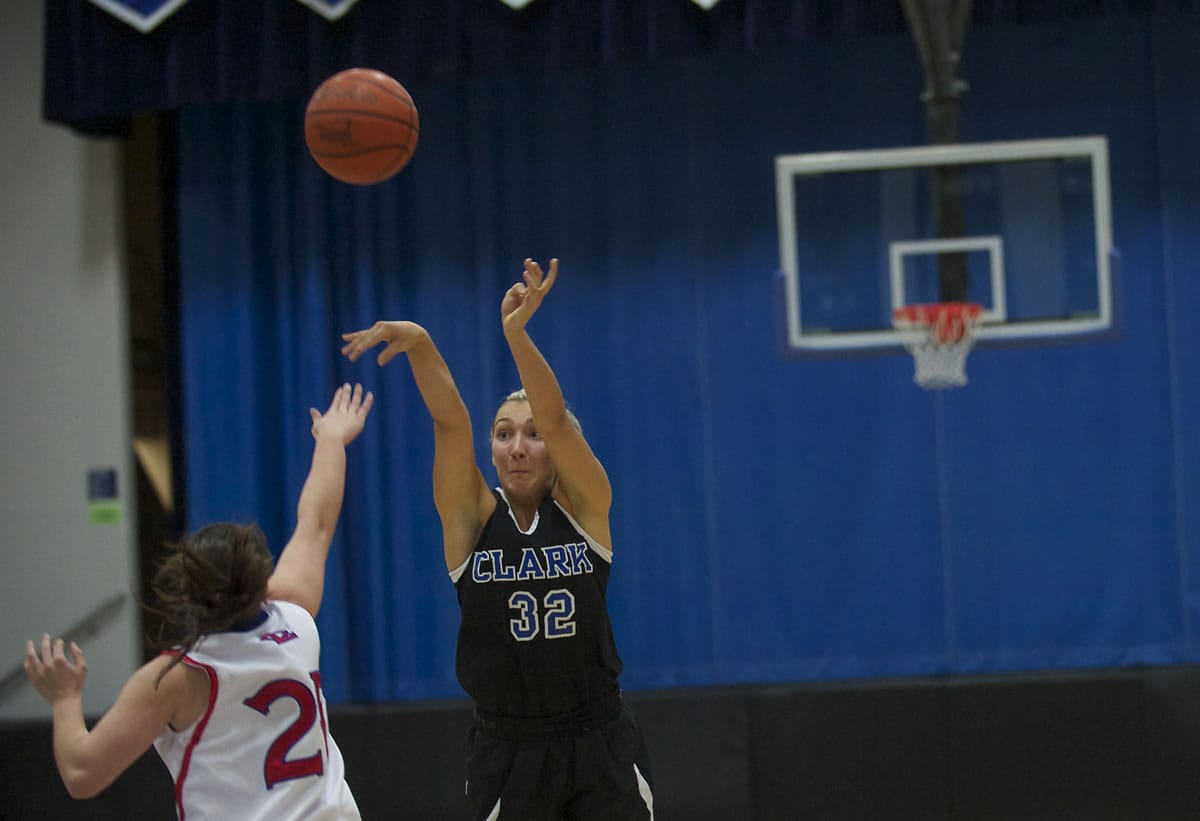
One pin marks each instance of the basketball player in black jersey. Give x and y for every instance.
(530, 559)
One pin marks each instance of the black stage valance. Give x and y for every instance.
(99, 70)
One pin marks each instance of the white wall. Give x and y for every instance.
(65, 401)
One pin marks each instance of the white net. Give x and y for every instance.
(942, 336)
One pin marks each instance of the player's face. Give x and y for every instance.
(518, 453)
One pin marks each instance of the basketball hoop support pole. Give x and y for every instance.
(938, 27)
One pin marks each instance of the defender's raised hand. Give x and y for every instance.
(346, 415)
(522, 300)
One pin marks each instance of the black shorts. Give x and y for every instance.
(588, 771)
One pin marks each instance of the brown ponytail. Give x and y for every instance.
(211, 580)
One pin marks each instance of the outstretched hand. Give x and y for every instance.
(524, 298)
(346, 415)
(400, 336)
(53, 674)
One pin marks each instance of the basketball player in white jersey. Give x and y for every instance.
(234, 707)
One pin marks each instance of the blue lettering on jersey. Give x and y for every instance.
(530, 569)
(579, 560)
(500, 571)
(557, 561)
(478, 573)
(550, 562)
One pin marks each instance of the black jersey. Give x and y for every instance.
(535, 638)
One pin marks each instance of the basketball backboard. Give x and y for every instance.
(1029, 233)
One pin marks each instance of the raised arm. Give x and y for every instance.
(299, 575)
(581, 477)
(89, 761)
(460, 493)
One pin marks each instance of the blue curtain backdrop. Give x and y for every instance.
(775, 518)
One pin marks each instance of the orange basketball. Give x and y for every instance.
(361, 126)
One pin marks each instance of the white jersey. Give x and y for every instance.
(262, 750)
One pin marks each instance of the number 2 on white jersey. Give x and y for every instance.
(277, 766)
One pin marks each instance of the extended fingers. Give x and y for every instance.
(359, 341)
(53, 654)
(551, 275)
(338, 401)
(533, 273)
(538, 280)
(347, 400)
(353, 346)
(353, 398)
(52, 651)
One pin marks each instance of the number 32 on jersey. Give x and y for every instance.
(553, 616)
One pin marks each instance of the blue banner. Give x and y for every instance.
(144, 15)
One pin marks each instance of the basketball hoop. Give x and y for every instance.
(943, 335)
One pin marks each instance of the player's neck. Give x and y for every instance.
(524, 513)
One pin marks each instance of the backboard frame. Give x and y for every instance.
(995, 328)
